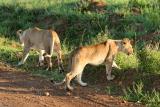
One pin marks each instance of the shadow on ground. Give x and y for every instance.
(23, 84)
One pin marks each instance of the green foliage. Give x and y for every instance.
(8, 54)
(137, 94)
(126, 62)
(150, 61)
(134, 94)
(113, 89)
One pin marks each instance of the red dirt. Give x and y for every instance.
(94, 5)
(20, 89)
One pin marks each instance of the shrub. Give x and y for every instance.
(149, 60)
(137, 94)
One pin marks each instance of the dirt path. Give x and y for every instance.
(19, 89)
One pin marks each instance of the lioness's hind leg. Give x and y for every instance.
(79, 80)
(69, 77)
(108, 70)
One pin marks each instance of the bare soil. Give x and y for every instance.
(21, 89)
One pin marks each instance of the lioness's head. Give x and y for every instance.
(21, 37)
(126, 45)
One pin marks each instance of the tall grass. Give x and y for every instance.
(150, 60)
(137, 94)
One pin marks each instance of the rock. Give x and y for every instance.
(46, 94)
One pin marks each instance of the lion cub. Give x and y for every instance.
(95, 55)
(44, 41)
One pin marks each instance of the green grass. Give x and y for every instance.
(113, 89)
(150, 60)
(137, 94)
(126, 62)
(77, 28)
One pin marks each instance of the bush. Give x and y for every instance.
(149, 61)
(137, 94)
(126, 62)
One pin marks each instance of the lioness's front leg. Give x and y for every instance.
(109, 63)
(115, 65)
(41, 57)
(25, 55)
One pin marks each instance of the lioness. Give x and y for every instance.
(44, 41)
(95, 55)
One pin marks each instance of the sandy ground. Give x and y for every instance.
(20, 89)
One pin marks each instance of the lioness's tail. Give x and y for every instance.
(69, 68)
(60, 83)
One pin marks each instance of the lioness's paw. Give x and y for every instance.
(47, 69)
(83, 84)
(19, 64)
(111, 77)
(69, 88)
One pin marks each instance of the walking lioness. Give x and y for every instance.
(95, 55)
(44, 41)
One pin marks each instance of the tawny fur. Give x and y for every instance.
(95, 54)
(44, 41)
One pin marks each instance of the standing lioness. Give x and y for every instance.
(95, 55)
(44, 41)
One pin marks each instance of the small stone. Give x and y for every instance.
(138, 102)
(124, 101)
(76, 97)
(68, 93)
(46, 93)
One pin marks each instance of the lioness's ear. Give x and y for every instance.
(19, 32)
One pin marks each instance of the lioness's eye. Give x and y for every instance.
(124, 43)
